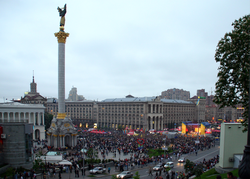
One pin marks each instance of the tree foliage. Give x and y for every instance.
(137, 176)
(232, 53)
(189, 166)
(194, 169)
(48, 118)
(92, 153)
(38, 162)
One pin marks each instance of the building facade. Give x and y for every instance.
(146, 112)
(33, 97)
(73, 96)
(82, 113)
(132, 112)
(16, 144)
(28, 113)
(174, 93)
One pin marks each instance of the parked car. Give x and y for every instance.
(181, 160)
(169, 164)
(158, 167)
(97, 170)
(125, 174)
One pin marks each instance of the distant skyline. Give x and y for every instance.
(115, 48)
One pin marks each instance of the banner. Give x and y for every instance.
(183, 128)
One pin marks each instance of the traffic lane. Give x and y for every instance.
(207, 154)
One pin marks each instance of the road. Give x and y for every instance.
(207, 154)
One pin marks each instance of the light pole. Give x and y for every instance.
(83, 158)
(164, 148)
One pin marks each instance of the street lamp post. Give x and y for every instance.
(83, 159)
(164, 148)
(244, 166)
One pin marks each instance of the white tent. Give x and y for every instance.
(64, 162)
(52, 159)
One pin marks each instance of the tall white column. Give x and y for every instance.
(61, 77)
(61, 38)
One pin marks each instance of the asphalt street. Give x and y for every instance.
(143, 172)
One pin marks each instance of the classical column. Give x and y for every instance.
(43, 118)
(55, 141)
(151, 123)
(48, 138)
(38, 118)
(8, 117)
(63, 140)
(159, 123)
(61, 38)
(19, 117)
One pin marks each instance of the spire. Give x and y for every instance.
(33, 85)
(33, 77)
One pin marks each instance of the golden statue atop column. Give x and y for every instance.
(62, 13)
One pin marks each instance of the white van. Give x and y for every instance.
(169, 164)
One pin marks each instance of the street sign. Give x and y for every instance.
(164, 148)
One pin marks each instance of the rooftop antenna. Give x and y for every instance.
(211, 91)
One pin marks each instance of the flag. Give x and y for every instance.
(198, 101)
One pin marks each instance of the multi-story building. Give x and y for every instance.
(210, 112)
(15, 112)
(200, 108)
(146, 112)
(33, 97)
(132, 112)
(82, 113)
(202, 93)
(16, 146)
(73, 96)
(174, 93)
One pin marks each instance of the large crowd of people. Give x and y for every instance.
(136, 149)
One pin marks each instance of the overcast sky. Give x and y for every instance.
(115, 47)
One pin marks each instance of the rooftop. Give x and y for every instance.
(146, 99)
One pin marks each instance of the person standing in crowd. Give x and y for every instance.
(59, 175)
(231, 176)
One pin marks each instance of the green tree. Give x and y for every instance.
(47, 118)
(189, 166)
(120, 127)
(38, 162)
(92, 153)
(198, 170)
(232, 53)
(137, 176)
